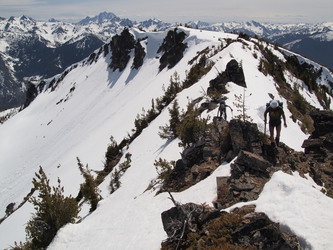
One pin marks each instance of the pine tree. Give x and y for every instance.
(163, 169)
(89, 188)
(53, 210)
(240, 104)
(170, 131)
(192, 127)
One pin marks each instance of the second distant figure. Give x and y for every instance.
(222, 111)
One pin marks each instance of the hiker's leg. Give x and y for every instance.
(278, 132)
(271, 132)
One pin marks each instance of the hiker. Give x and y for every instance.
(128, 156)
(222, 110)
(275, 111)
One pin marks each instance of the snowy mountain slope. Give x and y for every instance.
(37, 48)
(311, 40)
(40, 48)
(93, 103)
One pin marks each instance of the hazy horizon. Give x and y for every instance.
(211, 11)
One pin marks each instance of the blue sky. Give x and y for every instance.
(277, 11)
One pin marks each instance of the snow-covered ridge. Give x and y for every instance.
(106, 24)
(98, 102)
(25, 42)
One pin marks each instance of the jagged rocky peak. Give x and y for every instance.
(53, 20)
(100, 19)
(121, 45)
(172, 48)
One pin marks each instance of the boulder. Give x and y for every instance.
(245, 136)
(233, 73)
(252, 163)
(323, 122)
(258, 230)
(192, 226)
(186, 218)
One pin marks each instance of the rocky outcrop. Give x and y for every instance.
(249, 174)
(320, 143)
(31, 94)
(318, 149)
(256, 162)
(233, 73)
(193, 226)
(139, 55)
(121, 45)
(194, 215)
(224, 143)
(245, 136)
(173, 49)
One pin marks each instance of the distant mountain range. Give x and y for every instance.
(34, 49)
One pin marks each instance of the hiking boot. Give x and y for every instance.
(277, 140)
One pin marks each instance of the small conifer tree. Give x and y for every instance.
(53, 210)
(192, 127)
(170, 131)
(241, 107)
(163, 169)
(115, 181)
(89, 188)
(117, 173)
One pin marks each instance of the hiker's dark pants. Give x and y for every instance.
(274, 124)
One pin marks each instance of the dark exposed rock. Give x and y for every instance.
(242, 186)
(233, 73)
(139, 55)
(208, 106)
(121, 45)
(321, 140)
(31, 94)
(10, 208)
(189, 217)
(252, 163)
(224, 142)
(193, 154)
(192, 226)
(11, 92)
(245, 136)
(218, 144)
(258, 230)
(191, 169)
(318, 149)
(323, 122)
(173, 48)
(249, 173)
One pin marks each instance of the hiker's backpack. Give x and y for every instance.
(269, 103)
(222, 105)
